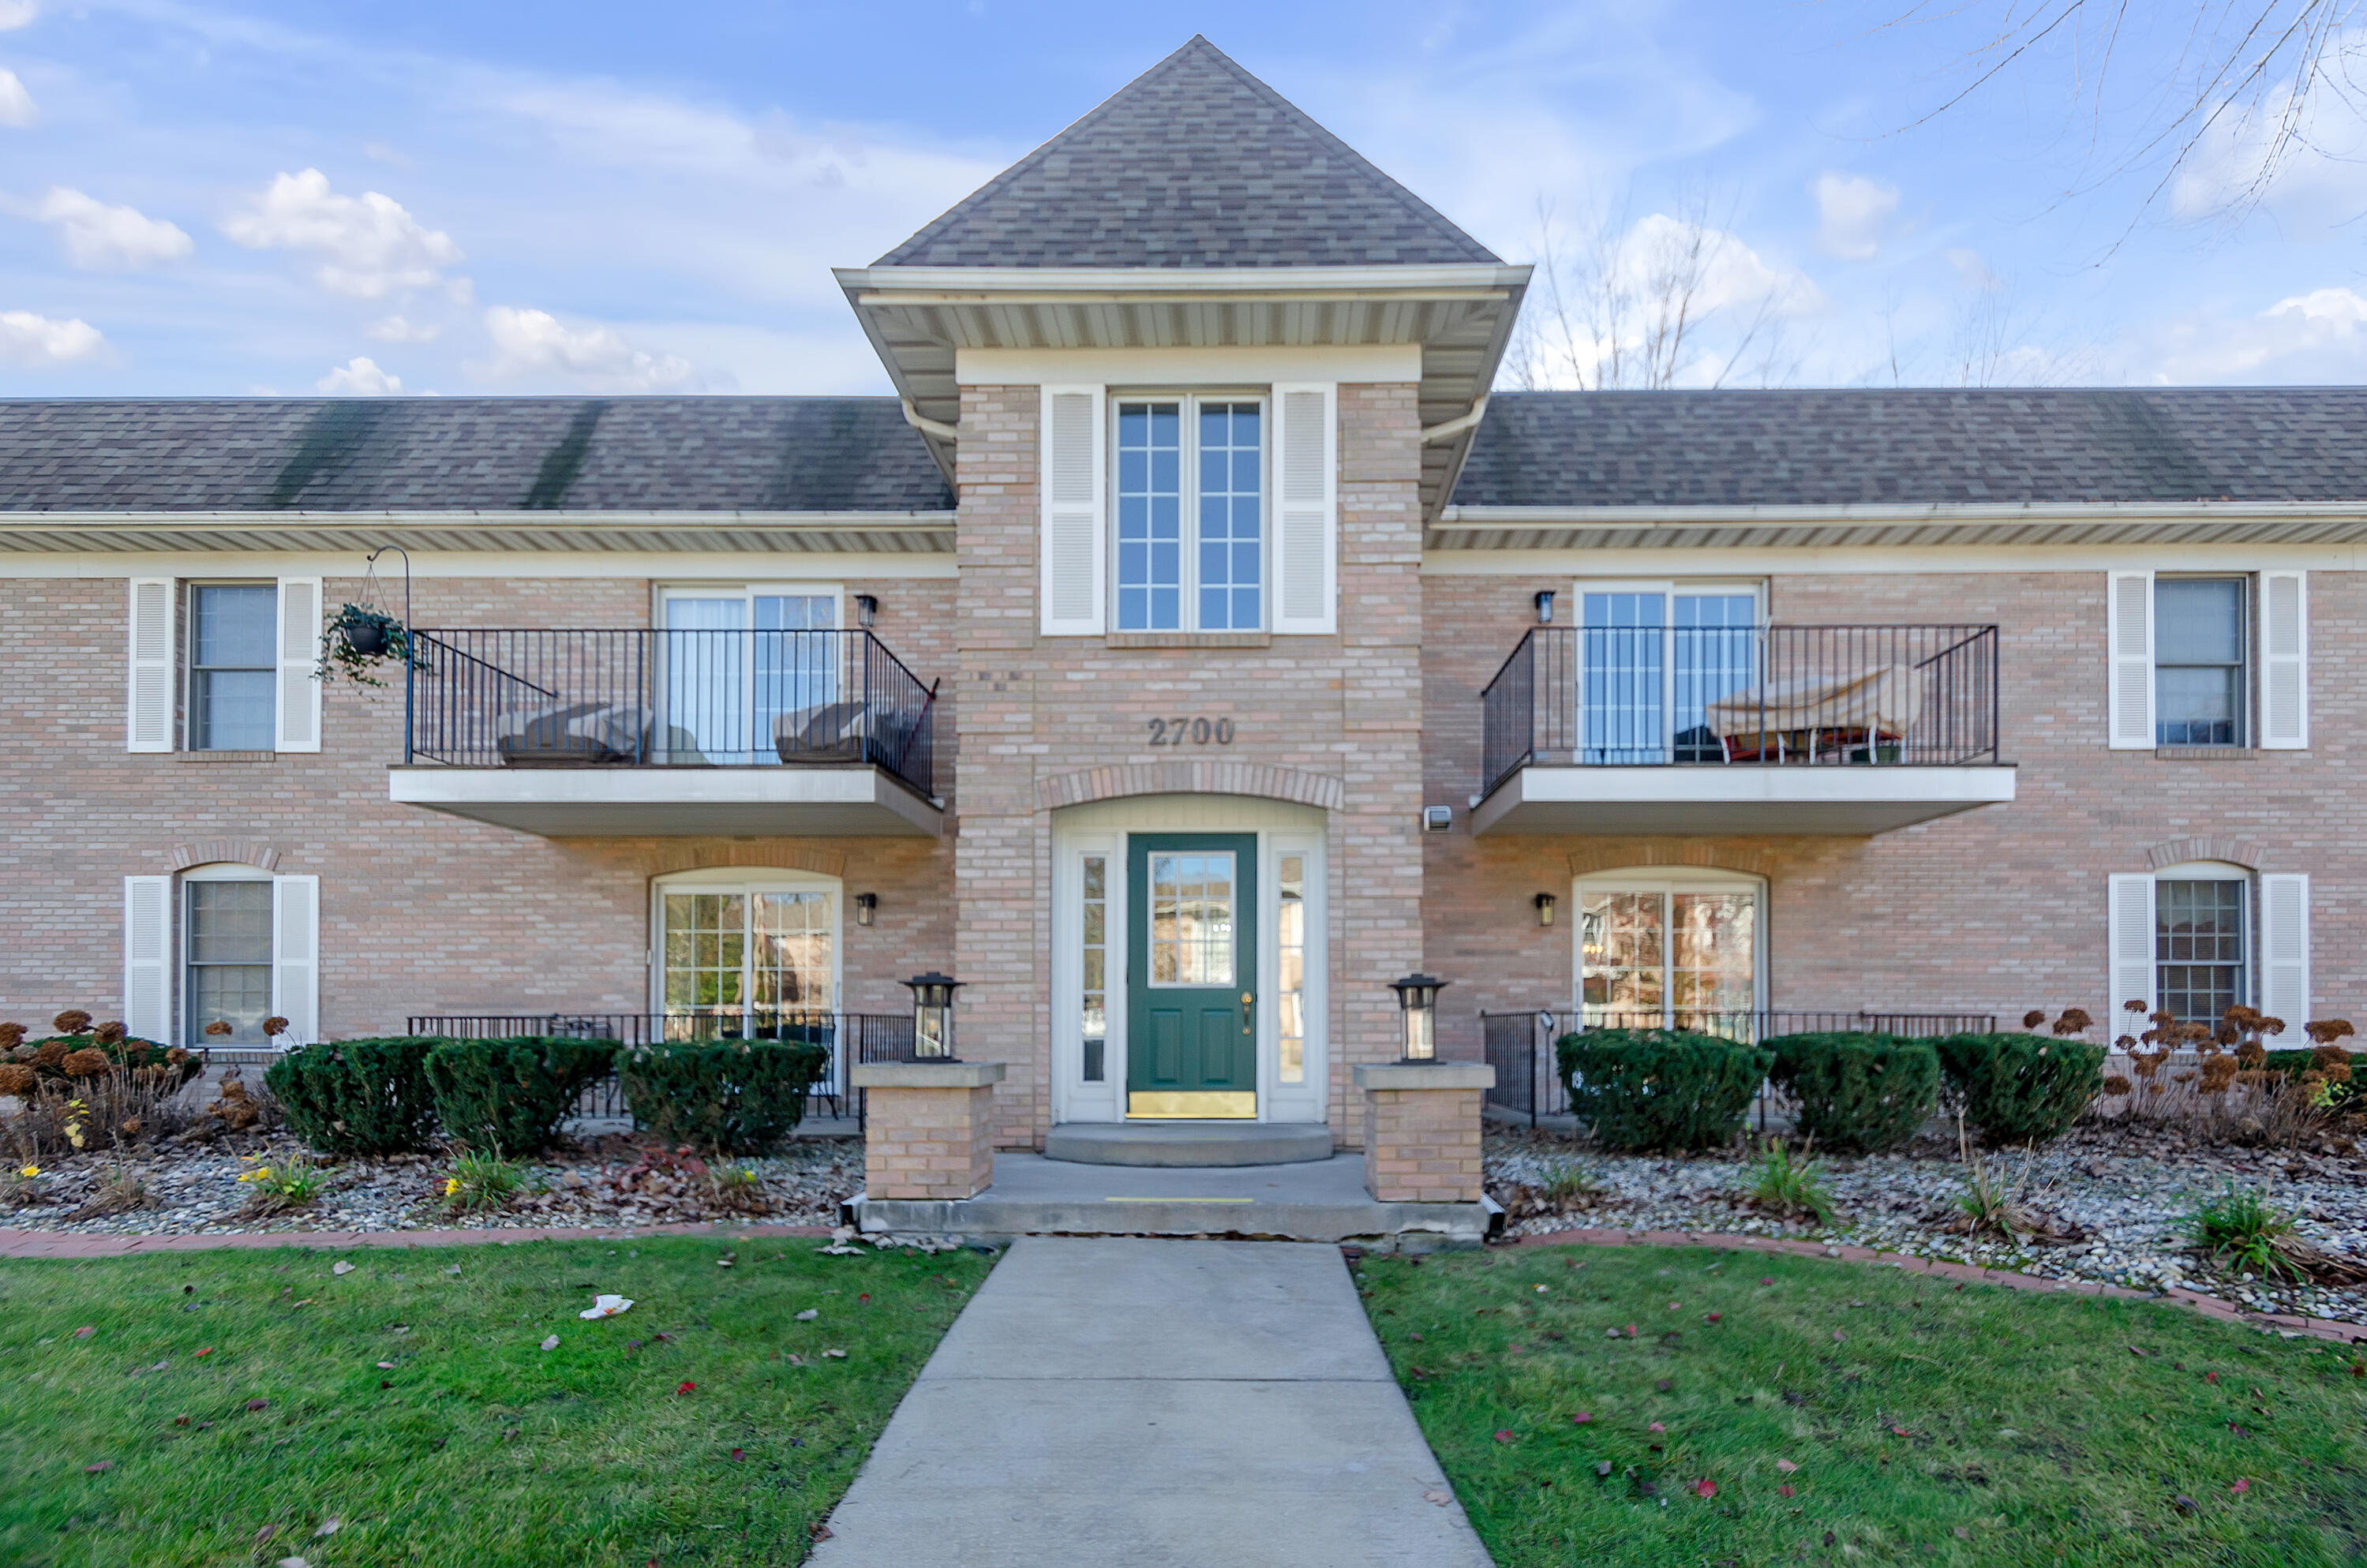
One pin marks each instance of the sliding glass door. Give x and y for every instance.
(1651, 659)
(746, 670)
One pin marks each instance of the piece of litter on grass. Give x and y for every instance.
(809, 1315)
(292, 1563)
(839, 1355)
(551, 1343)
(207, 1351)
(85, 1331)
(101, 1468)
(328, 1528)
(1786, 1466)
(385, 1366)
(341, 1267)
(607, 1307)
(452, 1269)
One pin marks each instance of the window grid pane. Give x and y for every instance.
(1621, 646)
(1620, 941)
(1290, 996)
(1192, 919)
(706, 953)
(1095, 968)
(2199, 661)
(1150, 496)
(792, 948)
(1715, 644)
(1232, 509)
(233, 659)
(2199, 948)
(228, 968)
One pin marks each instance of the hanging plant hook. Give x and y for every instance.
(357, 636)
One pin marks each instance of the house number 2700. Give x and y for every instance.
(1198, 732)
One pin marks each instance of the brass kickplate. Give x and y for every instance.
(1193, 1104)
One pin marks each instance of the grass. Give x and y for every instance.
(1929, 1423)
(476, 1446)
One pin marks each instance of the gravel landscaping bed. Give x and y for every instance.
(2124, 1193)
(197, 1191)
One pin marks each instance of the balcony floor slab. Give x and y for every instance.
(763, 802)
(1855, 800)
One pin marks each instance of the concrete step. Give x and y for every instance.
(1312, 1200)
(1186, 1143)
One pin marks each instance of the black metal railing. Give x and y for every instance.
(642, 697)
(852, 1038)
(1521, 1045)
(1660, 695)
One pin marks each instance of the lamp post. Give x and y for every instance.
(1418, 1006)
(933, 1017)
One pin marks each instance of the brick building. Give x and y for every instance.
(1192, 648)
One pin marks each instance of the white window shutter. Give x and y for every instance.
(2130, 615)
(147, 725)
(295, 957)
(1306, 508)
(300, 656)
(2285, 660)
(148, 958)
(1074, 480)
(2130, 940)
(2284, 950)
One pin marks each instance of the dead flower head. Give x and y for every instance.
(74, 1020)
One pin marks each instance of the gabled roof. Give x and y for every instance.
(1918, 447)
(464, 455)
(1194, 164)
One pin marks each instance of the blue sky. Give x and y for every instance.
(231, 198)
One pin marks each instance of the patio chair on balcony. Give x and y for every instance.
(1862, 716)
(577, 734)
(831, 732)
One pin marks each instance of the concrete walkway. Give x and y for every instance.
(1145, 1402)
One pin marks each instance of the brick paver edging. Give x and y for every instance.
(53, 1244)
(2209, 1306)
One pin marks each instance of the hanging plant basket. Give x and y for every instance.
(356, 639)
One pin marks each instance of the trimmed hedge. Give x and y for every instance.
(2022, 1089)
(1857, 1092)
(722, 1096)
(1651, 1089)
(359, 1097)
(507, 1097)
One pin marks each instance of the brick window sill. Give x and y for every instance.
(227, 756)
(1190, 639)
(2206, 754)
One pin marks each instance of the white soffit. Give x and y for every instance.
(729, 533)
(1749, 527)
(1187, 367)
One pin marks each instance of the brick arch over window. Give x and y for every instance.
(1255, 779)
(234, 852)
(674, 857)
(2178, 851)
(1620, 854)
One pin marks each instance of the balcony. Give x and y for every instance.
(672, 733)
(1848, 731)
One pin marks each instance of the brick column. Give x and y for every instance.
(928, 1128)
(1421, 1129)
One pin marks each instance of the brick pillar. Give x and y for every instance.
(928, 1128)
(1421, 1129)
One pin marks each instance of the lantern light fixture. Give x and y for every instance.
(867, 609)
(933, 1017)
(1543, 901)
(1545, 603)
(1417, 1007)
(867, 907)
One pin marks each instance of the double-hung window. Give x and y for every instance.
(1650, 660)
(2199, 676)
(2201, 957)
(234, 666)
(1188, 500)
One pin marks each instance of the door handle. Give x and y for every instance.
(1249, 1020)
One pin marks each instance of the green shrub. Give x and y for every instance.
(507, 1097)
(2342, 1096)
(1650, 1089)
(1857, 1092)
(357, 1096)
(724, 1096)
(2022, 1089)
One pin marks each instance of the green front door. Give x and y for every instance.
(1192, 975)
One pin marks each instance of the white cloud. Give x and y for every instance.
(100, 236)
(359, 378)
(16, 106)
(536, 344)
(400, 328)
(29, 339)
(1729, 272)
(1974, 271)
(2319, 337)
(368, 245)
(15, 14)
(1852, 214)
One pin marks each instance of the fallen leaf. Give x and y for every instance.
(85, 1331)
(864, 1297)
(1665, 1385)
(836, 1355)
(1783, 1491)
(1505, 1436)
(1839, 1337)
(1656, 1426)
(1631, 1331)
(508, 1432)
(258, 1404)
(180, 1420)
(809, 1315)
(1704, 1487)
(1439, 1498)
(2243, 1484)
(207, 1351)
(1786, 1466)
(341, 1267)
(1767, 1279)
(328, 1528)
(687, 1386)
(1711, 1317)
(814, 1531)
(1898, 1431)
(383, 1384)
(2183, 1503)
(101, 1468)
(551, 1343)
(266, 1533)
(2210, 1377)
(1603, 1467)
(738, 1453)
(1581, 1418)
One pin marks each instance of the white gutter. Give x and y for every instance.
(1433, 434)
(927, 426)
(1944, 514)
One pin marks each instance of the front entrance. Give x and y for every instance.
(1191, 974)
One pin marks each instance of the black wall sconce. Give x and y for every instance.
(1545, 606)
(1543, 901)
(867, 907)
(866, 610)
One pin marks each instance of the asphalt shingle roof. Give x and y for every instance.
(466, 454)
(1917, 445)
(1196, 163)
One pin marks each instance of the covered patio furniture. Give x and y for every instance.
(1849, 716)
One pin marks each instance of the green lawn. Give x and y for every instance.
(475, 1446)
(1929, 1423)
